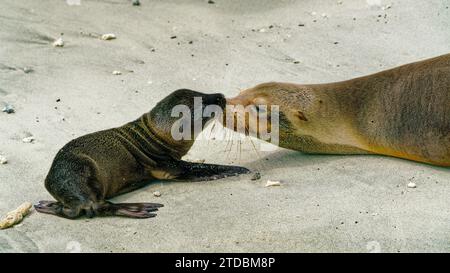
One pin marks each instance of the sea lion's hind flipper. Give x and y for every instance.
(132, 210)
(203, 172)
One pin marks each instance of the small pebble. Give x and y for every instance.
(3, 160)
(271, 183)
(136, 3)
(116, 72)
(58, 42)
(9, 109)
(211, 2)
(412, 185)
(156, 194)
(108, 36)
(256, 176)
(29, 139)
(27, 70)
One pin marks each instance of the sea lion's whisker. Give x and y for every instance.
(237, 149)
(228, 154)
(228, 141)
(212, 128)
(254, 148)
(240, 150)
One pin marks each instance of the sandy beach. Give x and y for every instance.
(324, 203)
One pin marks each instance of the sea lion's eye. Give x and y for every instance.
(260, 109)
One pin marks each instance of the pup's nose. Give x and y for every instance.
(218, 99)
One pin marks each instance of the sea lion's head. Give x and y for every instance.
(182, 115)
(284, 103)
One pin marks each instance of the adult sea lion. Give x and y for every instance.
(93, 168)
(402, 112)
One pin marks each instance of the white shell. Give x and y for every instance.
(108, 36)
(28, 139)
(59, 42)
(3, 160)
(157, 194)
(271, 183)
(412, 185)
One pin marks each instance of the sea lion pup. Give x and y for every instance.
(402, 112)
(93, 168)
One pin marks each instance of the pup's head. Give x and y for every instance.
(182, 115)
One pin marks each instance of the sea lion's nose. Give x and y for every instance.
(233, 101)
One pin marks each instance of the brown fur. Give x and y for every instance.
(402, 112)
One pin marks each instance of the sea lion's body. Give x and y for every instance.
(402, 112)
(93, 168)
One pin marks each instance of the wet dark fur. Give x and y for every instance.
(93, 168)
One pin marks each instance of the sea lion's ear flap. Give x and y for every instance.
(300, 115)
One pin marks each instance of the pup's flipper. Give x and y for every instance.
(203, 172)
(132, 210)
(56, 208)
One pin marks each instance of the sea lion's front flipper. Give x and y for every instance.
(56, 208)
(203, 172)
